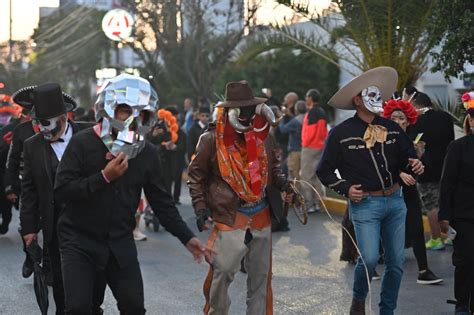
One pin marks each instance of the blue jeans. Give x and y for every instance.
(375, 219)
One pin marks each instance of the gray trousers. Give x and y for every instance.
(309, 162)
(231, 249)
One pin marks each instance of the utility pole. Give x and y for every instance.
(10, 41)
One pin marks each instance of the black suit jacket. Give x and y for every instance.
(193, 137)
(99, 217)
(14, 161)
(4, 147)
(37, 208)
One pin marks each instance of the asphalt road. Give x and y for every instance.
(308, 276)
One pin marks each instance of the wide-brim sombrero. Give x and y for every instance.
(384, 78)
(24, 97)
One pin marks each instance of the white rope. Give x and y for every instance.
(294, 181)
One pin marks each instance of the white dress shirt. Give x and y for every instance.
(60, 146)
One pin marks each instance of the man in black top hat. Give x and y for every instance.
(39, 209)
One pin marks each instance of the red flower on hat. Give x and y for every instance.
(465, 97)
(405, 106)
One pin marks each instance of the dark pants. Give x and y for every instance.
(414, 233)
(178, 179)
(80, 275)
(6, 212)
(463, 260)
(55, 261)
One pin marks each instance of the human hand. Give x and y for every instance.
(198, 250)
(12, 197)
(29, 238)
(203, 220)
(116, 167)
(416, 166)
(355, 193)
(420, 148)
(407, 179)
(170, 145)
(444, 226)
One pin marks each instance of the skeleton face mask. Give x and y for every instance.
(127, 136)
(372, 99)
(49, 128)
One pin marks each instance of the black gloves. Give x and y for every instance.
(201, 219)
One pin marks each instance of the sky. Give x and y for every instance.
(26, 15)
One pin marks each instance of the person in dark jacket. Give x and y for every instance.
(197, 129)
(457, 209)
(39, 208)
(100, 179)
(6, 135)
(14, 171)
(404, 114)
(436, 130)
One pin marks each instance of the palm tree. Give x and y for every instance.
(358, 35)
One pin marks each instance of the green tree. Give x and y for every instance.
(185, 45)
(70, 46)
(454, 26)
(283, 71)
(364, 34)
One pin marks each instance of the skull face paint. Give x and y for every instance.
(372, 99)
(49, 128)
(140, 99)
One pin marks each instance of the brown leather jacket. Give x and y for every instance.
(209, 191)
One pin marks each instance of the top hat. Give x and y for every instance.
(239, 94)
(47, 99)
(384, 78)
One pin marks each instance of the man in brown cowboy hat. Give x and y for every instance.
(370, 152)
(233, 170)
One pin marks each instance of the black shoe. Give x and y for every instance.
(27, 269)
(4, 228)
(357, 307)
(280, 228)
(428, 277)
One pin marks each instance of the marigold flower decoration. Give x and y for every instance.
(171, 123)
(406, 107)
(8, 106)
(468, 102)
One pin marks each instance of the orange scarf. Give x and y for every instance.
(243, 165)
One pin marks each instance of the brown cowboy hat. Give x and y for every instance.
(239, 94)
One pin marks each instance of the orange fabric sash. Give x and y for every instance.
(242, 164)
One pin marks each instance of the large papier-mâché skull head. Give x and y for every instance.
(372, 99)
(126, 136)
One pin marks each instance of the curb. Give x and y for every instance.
(338, 207)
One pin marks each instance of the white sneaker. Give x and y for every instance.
(311, 210)
(138, 235)
(314, 209)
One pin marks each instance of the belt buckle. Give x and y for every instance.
(387, 192)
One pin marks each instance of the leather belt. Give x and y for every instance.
(242, 222)
(384, 192)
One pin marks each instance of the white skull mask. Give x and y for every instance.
(372, 99)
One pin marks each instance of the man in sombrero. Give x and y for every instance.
(232, 172)
(369, 153)
(39, 207)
